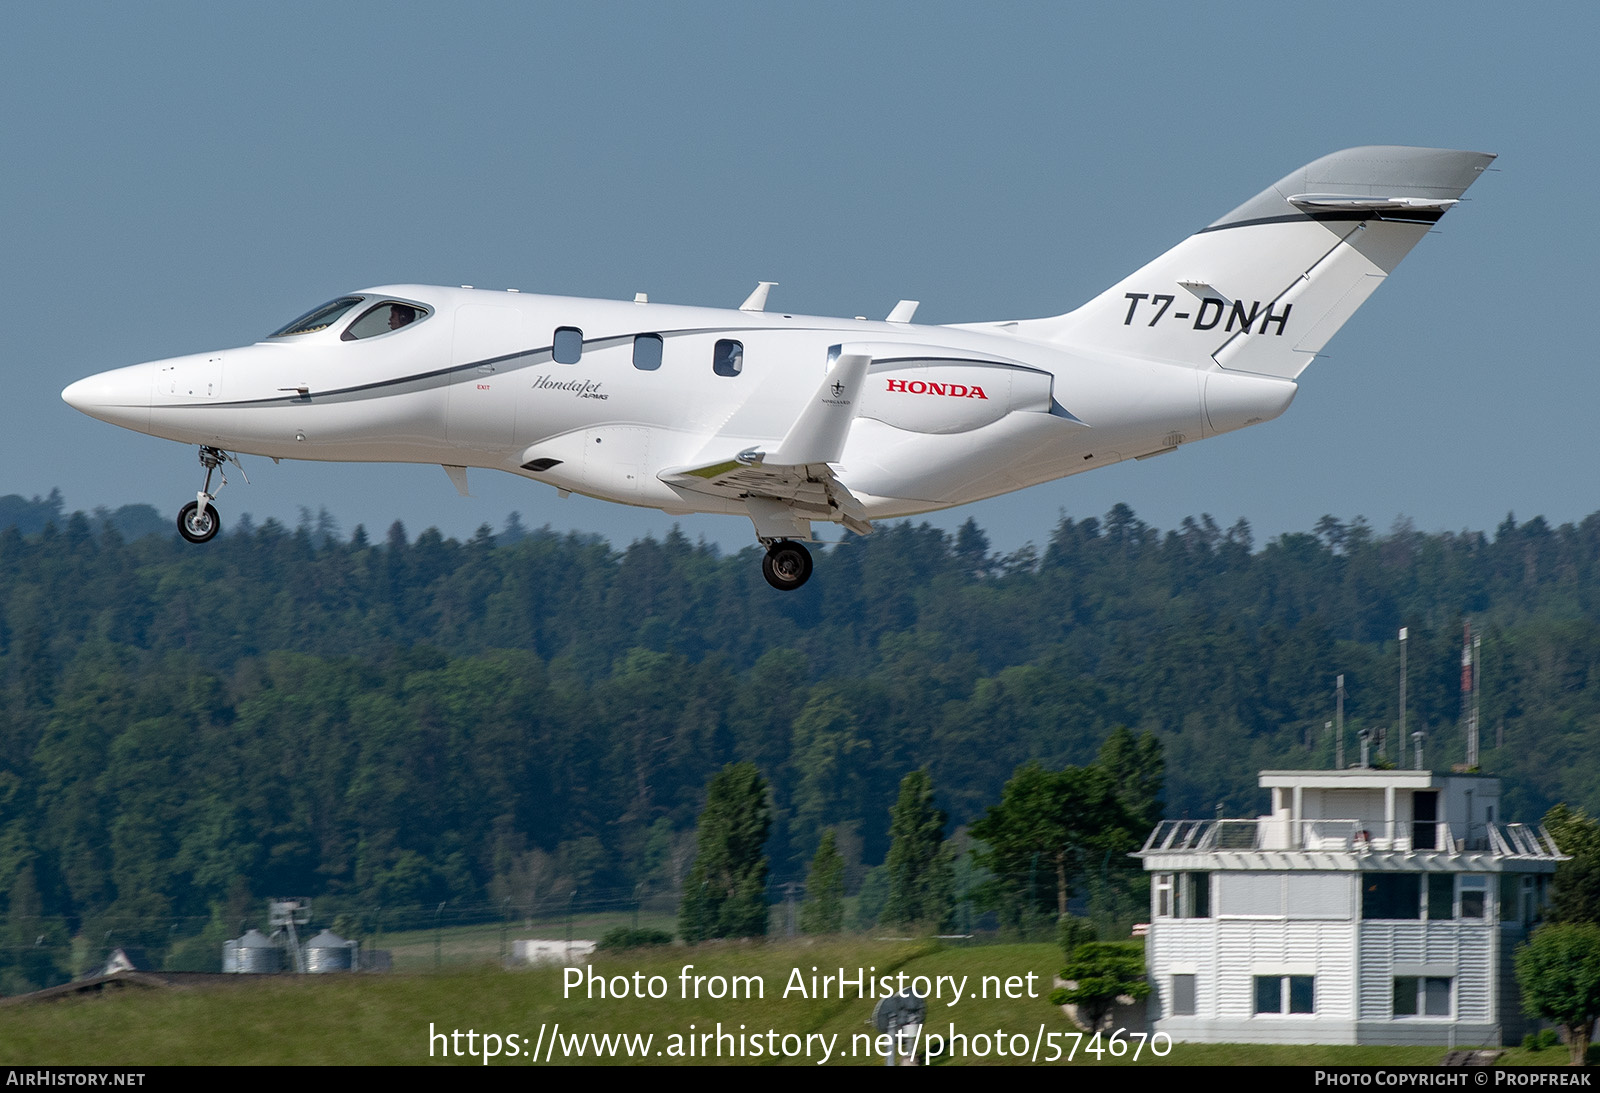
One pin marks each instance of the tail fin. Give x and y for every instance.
(1263, 289)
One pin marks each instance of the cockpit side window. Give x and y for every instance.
(318, 318)
(387, 316)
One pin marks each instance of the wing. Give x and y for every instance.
(808, 491)
(794, 485)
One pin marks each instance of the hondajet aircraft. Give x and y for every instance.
(790, 419)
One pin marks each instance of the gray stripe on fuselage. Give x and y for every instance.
(457, 373)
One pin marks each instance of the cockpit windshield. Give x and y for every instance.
(318, 319)
(387, 316)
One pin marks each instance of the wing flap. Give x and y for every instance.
(812, 490)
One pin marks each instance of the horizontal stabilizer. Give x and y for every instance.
(1371, 204)
(1262, 289)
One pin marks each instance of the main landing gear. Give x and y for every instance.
(787, 565)
(198, 521)
(199, 525)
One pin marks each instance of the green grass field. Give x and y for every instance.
(423, 950)
(359, 1019)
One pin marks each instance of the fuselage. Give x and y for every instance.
(602, 397)
(792, 419)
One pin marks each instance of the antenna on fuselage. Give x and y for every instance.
(757, 300)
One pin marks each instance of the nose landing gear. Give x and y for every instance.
(787, 565)
(198, 521)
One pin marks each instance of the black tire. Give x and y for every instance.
(197, 526)
(787, 565)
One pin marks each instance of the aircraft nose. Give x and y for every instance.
(121, 397)
(82, 395)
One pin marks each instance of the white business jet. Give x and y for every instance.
(791, 419)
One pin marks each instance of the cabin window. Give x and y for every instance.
(319, 318)
(727, 359)
(387, 317)
(568, 345)
(647, 352)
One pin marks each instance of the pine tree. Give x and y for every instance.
(1138, 772)
(1048, 826)
(920, 874)
(823, 910)
(1575, 896)
(725, 895)
(29, 943)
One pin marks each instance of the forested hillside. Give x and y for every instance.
(389, 720)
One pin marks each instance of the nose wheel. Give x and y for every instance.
(787, 565)
(198, 521)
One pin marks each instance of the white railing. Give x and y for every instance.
(1352, 836)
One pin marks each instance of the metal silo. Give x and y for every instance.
(252, 954)
(328, 952)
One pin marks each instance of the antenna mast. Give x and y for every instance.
(1338, 727)
(1469, 693)
(1402, 733)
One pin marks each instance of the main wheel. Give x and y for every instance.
(787, 565)
(196, 525)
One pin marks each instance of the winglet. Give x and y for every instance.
(903, 311)
(757, 300)
(818, 434)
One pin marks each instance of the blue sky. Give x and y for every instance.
(184, 177)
